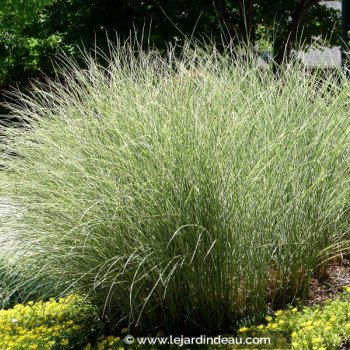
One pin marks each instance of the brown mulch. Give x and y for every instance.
(337, 276)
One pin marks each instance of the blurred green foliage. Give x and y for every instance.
(32, 32)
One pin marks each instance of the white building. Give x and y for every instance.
(324, 56)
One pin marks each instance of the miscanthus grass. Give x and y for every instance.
(179, 193)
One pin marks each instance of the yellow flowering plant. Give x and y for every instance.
(67, 324)
(311, 328)
(316, 327)
(55, 324)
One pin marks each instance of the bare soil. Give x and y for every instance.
(337, 276)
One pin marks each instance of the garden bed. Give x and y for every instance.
(69, 323)
(337, 277)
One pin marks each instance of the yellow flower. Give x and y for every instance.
(64, 342)
(316, 340)
(243, 329)
(268, 318)
(279, 312)
(260, 327)
(347, 289)
(295, 309)
(305, 324)
(124, 330)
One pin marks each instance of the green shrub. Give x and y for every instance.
(180, 194)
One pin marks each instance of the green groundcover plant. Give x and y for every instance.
(56, 324)
(318, 327)
(179, 193)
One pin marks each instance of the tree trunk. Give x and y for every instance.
(223, 14)
(244, 29)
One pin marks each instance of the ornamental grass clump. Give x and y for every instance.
(179, 193)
